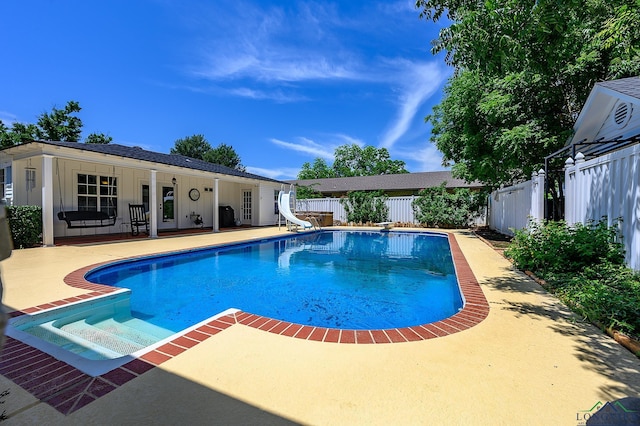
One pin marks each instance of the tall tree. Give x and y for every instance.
(319, 170)
(352, 160)
(60, 124)
(98, 138)
(17, 134)
(224, 155)
(523, 70)
(195, 146)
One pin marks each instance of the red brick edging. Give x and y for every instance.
(68, 389)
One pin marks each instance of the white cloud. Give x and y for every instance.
(275, 95)
(429, 159)
(421, 81)
(275, 45)
(286, 173)
(306, 146)
(7, 118)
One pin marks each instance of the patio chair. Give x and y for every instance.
(138, 218)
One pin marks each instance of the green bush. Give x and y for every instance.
(25, 224)
(583, 265)
(606, 294)
(439, 208)
(549, 247)
(366, 206)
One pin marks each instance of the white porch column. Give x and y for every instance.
(153, 204)
(216, 218)
(47, 200)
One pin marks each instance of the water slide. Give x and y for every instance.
(285, 209)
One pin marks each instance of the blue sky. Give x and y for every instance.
(283, 82)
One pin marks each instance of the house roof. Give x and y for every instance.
(601, 101)
(137, 153)
(627, 86)
(403, 181)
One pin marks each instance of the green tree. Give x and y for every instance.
(224, 155)
(98, 138)
(438, 207)
(60, 124)
(17, 134)
(195, 146)
(319, 170)
(523, 70)
(352, 160)
(366, 206)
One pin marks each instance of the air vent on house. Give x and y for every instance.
(622, 114)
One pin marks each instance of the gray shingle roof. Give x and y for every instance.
(404, 181)
(629, 86)
(137, 153)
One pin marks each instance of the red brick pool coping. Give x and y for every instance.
(68, 389)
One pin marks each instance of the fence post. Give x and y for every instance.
(537, 196)
(569, 190)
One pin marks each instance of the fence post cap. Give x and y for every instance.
(569, 162)
(541, 172)
(579, 157)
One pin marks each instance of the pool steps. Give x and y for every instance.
(99, 331)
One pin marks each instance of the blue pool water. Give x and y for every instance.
(335, 279)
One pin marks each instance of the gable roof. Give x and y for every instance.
(601, 101)
(137, 153)
(396, 182)
(626, 86)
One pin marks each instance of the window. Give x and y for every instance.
(97, 193)
(276, 194)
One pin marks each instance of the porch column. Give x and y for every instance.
(47, 200)
(153, 204)
(216, 219)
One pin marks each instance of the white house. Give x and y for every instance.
(99, 181)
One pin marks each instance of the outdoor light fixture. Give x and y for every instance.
(173, 181)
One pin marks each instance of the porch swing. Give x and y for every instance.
(87, 218)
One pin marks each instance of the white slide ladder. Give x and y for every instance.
(284, 206)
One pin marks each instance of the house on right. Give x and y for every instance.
(598, 171)
(602, 166)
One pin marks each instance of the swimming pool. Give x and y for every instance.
(334, 279)
(112, 326)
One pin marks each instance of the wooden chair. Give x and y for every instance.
(138, 218)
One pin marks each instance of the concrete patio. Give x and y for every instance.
(531, 361)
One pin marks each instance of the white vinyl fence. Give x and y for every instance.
(511, 208)
(400, 209)
(604, 186)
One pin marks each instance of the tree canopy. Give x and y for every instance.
(523, 70)
(349, 160)
(352, 160)
(197, 146)
(58, 125)
(225, 155)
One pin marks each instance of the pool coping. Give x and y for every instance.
(67, 389)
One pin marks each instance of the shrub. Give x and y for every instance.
(366, 206)
(439, 208)
(606, 294)
(583, 265)
(25, 224)
(550, 247)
